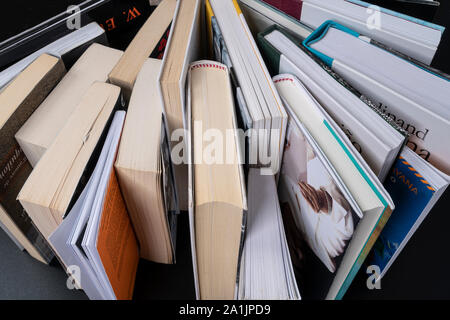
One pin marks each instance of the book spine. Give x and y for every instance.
(14, 166)
(270, 54)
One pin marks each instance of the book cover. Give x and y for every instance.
(14, 166)
(411, 193)
(116, 243)
(324, 221)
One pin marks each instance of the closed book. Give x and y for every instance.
(144, 170)
(416, 187)
(41, 129)
(374, 135)
(183, 47)
(351, 222)
(141, 47)
(218, 202)
(416, 38)
(48, 197)
(414, 97)
(19, 100)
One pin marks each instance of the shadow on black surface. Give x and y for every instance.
(161, 281)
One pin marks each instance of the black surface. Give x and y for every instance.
(420, 272)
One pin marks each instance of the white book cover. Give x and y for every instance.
(415, 98)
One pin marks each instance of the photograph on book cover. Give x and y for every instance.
(319, 209)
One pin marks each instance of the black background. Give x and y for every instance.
(420, 272)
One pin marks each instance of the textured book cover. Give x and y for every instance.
(14, 166)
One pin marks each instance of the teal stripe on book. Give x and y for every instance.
(351, 275)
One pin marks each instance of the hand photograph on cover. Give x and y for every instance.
(319, 209)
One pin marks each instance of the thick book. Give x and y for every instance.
(217, 197)
(183, 47)
(375, 136)
(59, 177)
(41, 129)
(262, 101)
(416, 38)
(144, 169)
(340, 218)
(416, 98)
(96, 241)
(18, 101)
(415, 187)
(141, 47)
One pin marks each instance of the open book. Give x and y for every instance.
(96, 241)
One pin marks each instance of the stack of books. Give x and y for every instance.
(302, 145)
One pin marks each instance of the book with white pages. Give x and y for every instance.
(81, 39)
(262, 100)
(376, 137)
(362, 190)
(417, 38)
(414, 97)
(266, 271)
(183, 47)
(78, 240)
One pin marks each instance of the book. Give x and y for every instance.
(19, 99)
(183, 47)
(414, 97)
(48, 197)
(217, 203)
(415, 187)
(144, 169)
(261, 99)
(144, 43)
(261, 16)
(376, 137)
(69, 47)
(353, 202)
(121, 19)
(266, 271)
(40, 130)
(97, 236)
(417, 38)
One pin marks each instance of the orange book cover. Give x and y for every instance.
(116, 243)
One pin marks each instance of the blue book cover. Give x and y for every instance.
(411, 194)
